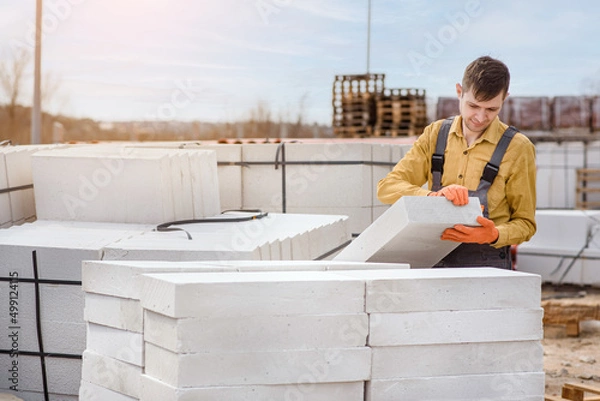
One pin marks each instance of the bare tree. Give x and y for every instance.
(12, 74)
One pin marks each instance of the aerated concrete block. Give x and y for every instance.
(433, 290)
(343, 166)
(457, 359)
(251, 294)
(255, 333)
(111, 374)
(332, 365)
(63, 374)
(93, 392)
(493, 387)
(155, 390)
(410, 231)
(122, 345)
(120, 313)
(229, 172)
(449, 327)
(261, 184)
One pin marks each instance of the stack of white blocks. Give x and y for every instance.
(17, 206)
(565, 239)
(60, 247)
(254, 320)
(557, 164)
(181, 331)
(274, 237)
(323, 177)
(110, 183)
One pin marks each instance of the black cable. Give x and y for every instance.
(41, 281)
(13, 189)
(166, 227)
(38, 322)
(37, 353)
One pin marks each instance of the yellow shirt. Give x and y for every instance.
(512, 196)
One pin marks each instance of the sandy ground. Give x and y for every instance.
(572, 359)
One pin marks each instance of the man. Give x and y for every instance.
(456, 167)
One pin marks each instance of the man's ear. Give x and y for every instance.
(458, 90)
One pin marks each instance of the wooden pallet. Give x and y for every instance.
(569, 312)
(575, 392)
(588, 188)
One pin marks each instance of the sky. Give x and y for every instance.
(216, 61)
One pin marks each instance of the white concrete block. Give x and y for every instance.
(456, 289)
(60, 246)
(155, 390)
(123, 278)
(457, 359)
(5, 209)
(449, 327)
(223, 241)
(359, 218)
(229, 172)
(93, 392)
(66, 337)
(261, 184)
(256, 333)
(409, 232)
(120, 313)
(18, 173)
(251, 294)
(489, 387)
(564, 231)
(551, 268)
(63, 374)
(122, 345)
(268, 367)
(591, 271)
(111, 374)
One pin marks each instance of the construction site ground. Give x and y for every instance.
(571, 359)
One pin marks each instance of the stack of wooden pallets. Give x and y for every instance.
(354, 104)
(588, 188)
(400, 112)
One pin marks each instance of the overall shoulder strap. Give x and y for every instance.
(437, 159)
(490, 171)
(491, 168)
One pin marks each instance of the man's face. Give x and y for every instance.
(477, 115)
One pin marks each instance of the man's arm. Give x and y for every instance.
(410, 173)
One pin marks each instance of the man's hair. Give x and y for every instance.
(486, 78)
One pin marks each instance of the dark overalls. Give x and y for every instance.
(473, 255)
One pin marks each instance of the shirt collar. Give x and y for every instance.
(492, 134)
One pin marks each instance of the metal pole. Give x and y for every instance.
(36, 110)
(369, 38)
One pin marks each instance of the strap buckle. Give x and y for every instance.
(490, 172)
(437, 163)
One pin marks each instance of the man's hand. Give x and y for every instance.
(457, 194)
(486, 234)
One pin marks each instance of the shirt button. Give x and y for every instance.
(465, 152)
(460, 176)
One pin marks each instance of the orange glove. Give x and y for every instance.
(486, 234)
(457, 194)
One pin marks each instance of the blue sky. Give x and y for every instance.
(216, 60)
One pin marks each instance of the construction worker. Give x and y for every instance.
(474, 154)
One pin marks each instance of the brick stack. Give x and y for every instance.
(400, 112)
